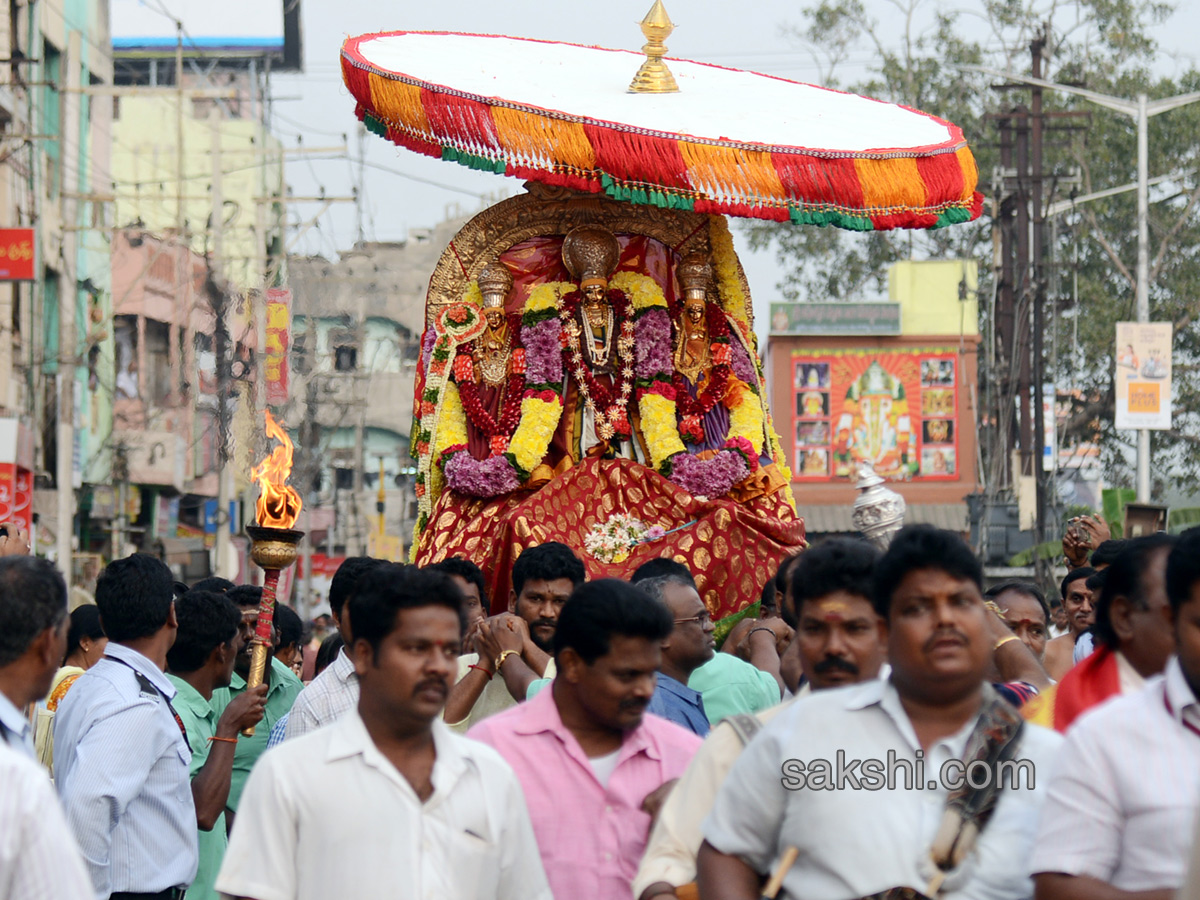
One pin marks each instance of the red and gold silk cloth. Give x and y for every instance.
(731, 548)
(1089, 683)
(732, 142)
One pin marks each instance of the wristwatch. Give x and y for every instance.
(504, 654)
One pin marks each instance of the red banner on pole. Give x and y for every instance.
(16, 254)
(279, 338)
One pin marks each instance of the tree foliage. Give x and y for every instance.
(917, 48)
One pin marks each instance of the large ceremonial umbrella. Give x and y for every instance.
(728, 141)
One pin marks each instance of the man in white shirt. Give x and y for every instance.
(839, 640)
(1118, 821)
(33, 641)
(38, 857)
(871, 793)
(121, 754)
(435, 815)
(515, 649)
(334, 692)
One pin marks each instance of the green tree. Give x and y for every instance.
(917, 51)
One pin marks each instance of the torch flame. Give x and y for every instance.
(278, 503)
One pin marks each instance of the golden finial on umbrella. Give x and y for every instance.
(654, 77)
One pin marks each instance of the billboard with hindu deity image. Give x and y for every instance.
(896, 409)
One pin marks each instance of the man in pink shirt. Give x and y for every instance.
(592, 764)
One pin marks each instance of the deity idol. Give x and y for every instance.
(705, 386)
(598, 356)
(875, 426)
(487, 370)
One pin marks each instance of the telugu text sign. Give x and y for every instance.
(16, 254)
(1143, 375)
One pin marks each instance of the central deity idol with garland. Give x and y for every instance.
(598, 354)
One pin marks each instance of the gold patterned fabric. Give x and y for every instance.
(730, 547)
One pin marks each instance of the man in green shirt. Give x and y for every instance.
(282, 690)
(200, 661)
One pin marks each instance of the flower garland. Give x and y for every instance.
(498, 432)
(531, 412)
(608, 405)
(725, 261)
(611, 540)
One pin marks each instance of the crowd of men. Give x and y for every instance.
(876, 727)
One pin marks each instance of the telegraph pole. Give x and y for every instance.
(1140, 109)
(225, 472)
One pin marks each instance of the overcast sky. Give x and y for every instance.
(404, 190)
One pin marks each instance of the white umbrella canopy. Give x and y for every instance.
(728, 141)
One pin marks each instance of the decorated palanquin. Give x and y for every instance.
(589, 374)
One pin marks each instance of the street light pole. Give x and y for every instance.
(1143, 273)
(1140, 110)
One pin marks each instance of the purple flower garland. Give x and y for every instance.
(480, 478)
(708, 477)
(741, 364)
(653, 344)
(543, 352)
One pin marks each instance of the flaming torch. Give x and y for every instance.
(274, 542)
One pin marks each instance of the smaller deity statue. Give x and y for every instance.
(493, 348)
(489, 384)
(704, 382)
(693, 352)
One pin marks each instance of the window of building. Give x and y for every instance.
(345, 359)
(343, 479)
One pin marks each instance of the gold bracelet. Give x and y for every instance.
(504, 654)
(1004, 640)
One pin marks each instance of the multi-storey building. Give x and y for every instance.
(56, 342)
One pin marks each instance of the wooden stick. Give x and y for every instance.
(785, 865)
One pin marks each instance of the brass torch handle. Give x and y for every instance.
(258, 666)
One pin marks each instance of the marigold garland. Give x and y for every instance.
(724, 258)
(746, 419)
(642, 290)
(659, 428)
(539, 420)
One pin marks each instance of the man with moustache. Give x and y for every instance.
(1118, 820)
(282, 689)
(839, 640)
(585, 752)
(689, 646)
(1081, 613)
(935, 707)
(517, 645)
(434, 814)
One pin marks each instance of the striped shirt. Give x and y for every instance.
(327, 698)
(15, 729)
(38, 856)
(121, 768)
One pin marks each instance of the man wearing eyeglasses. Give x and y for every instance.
(689, 646)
